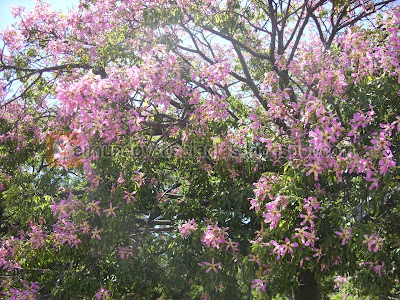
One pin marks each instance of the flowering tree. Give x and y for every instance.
(205, 149)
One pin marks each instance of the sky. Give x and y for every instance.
(6, 17)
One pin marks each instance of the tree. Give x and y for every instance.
(200, 149)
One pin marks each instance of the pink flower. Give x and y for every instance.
(318, 253)
(187, 227)
(139, 178)
(280, 250)
(386, 162)
(302, 234)
(233, 245)
(102, 294)
(129, 196)
(212, 265)
(378, 268)
(289, 246)
(214, 236)
(339, 282)
(273, 217)
(120, 179)
(274, 207)
(344, 234)
(259, 285)
(94, 207)
(28, 291)
(111, 210)
(96, 233)
(315, 167)
(308, 218)
(381, 142)
(125, 252)
(311, 203)
(374, 242)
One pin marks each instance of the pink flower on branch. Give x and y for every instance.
(274, 207)
(233, 245)
(282, 249)
(315, 168)
(129, 197)
(318, 253)
(96, 233)
(259, 285)
(111, 210)
(374, 242)
(378, 268)
(386, 162)
(125, 252)
(28, 291)
(308, 217)
(94, 207)
(311, 203)
(102, 294)
(214, 236)
(344, 234)
(211, 265)
(302, 234)
(187, 227)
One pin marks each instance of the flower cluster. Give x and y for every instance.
(187, 227)
(125, 252)
(102, 294)
(281, 249)
(374, 266)
(259, 285)
(273, 210)
(344, 234)
(28, 290)
(211, 265)
(214, 236)
(374, 242)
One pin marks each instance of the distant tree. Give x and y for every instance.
(200, 150)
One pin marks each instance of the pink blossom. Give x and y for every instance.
(344, 234)
(302, 234)
(282, 249)
(214, 236)
(386, 162)
(311, 202)
(374, 242)
(187, 227)
(378, 268)
(273, 214)
(94, 207)
(129, 196)
(259, 285)
(232, 245)
(339, 282)
(28, 291)
(308, 217)
(125, 252)
(120, 179)
(289, 246)
(315, 168)
(318, 253)
(211, 265)
(96, 233)
(102, 294)
(111, 210)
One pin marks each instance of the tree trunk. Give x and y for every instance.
(309, 288)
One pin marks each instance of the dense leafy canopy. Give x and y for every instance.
(200, 150)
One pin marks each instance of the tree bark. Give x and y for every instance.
(309, 287)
